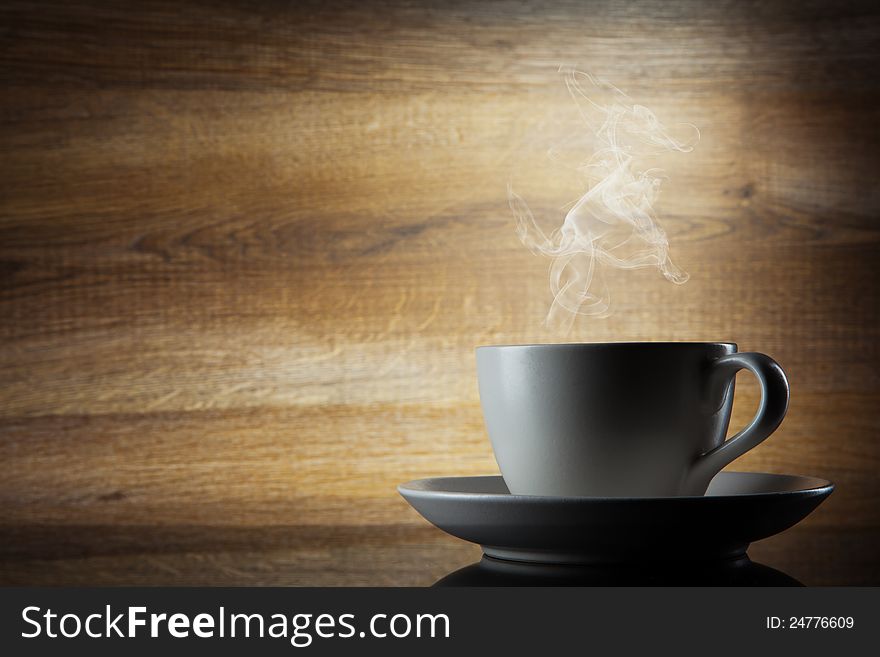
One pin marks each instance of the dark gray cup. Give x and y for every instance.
(642, 419)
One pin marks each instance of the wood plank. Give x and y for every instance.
(246, 254)
(341, 464)
(340, 556)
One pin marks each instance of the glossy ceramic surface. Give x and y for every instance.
(738, 508)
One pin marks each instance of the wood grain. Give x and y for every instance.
(246, 254)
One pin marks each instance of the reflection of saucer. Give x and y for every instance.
(740, 571)
(738, 508)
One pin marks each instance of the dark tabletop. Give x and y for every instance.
(388, 555)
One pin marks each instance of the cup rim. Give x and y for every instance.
(569, 345)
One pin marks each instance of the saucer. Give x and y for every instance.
(738, 508)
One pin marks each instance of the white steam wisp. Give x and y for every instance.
(613, 223)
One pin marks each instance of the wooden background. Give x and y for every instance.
(246, 254)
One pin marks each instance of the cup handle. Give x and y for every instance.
(771, 410)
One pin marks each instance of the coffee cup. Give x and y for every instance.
(641, 419)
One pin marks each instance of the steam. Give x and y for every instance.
(613, 224)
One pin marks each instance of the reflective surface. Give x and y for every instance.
(732, 572)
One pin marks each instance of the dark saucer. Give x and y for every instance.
(740, 571)
(738, 508)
